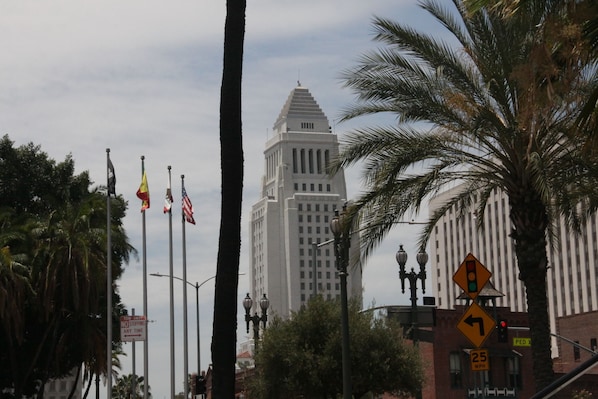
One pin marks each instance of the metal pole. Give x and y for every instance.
(342, 243)
(145, 342)
(108, 282)
(345, 335)
(171, 269)
(314, 249)
(134, 379)
(413, 288)
(197, 317)
(185, 326)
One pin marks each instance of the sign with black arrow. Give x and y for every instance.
(476, 324)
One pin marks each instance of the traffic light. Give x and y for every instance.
(200, 385)
(503, 331)
(472, 278)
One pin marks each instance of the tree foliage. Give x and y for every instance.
(301, 356)
(53, 269)
(130, 386)
(490, 105)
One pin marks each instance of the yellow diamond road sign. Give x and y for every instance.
(476, 324)
(471, 276)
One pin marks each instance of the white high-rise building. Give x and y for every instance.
(572, 282)
(298, 200)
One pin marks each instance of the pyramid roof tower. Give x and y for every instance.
(301, 113)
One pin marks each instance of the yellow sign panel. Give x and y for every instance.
(471, 276)
(520, 341)
(476, 324)
(480, 361)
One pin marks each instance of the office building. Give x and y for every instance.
(298, 200)
(572, 285)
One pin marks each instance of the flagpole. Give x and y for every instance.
(172, 380)
(185, 332)
(145, 342)
(109, 169)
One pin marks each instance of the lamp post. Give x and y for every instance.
(412, 277)
(255, 319)
(342, 242)
(197, 286)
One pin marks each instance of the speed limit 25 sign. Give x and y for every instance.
(480, 361)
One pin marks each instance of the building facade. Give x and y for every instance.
(572, 282)
(291, 251)
(61, 388)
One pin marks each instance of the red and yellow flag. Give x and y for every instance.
(143, 193)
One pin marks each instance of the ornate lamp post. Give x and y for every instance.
(342, 242)
(255, 319)
(412, 276)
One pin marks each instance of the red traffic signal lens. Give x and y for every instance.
(503, 324)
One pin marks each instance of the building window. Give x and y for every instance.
(319, 161)
(576, 352)
(455, 370)
(593, 344)
(513, 370)
(295, 160)
(302, 154)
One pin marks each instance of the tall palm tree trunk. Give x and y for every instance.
(229, 246)
(530, 222)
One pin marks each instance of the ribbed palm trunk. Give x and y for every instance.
(530, 221)
(224, 335)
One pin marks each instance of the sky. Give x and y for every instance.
(142, 78)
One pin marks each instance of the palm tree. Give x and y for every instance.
(561, 19)
(493, 112)
(64, 318)
(224, 337)
(129, 387)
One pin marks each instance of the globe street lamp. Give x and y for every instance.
(342, 242)
(255, 319)
(412, 277)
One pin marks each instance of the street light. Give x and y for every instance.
(342, 242)
(197, 286)
(412, 276)
(255, 319)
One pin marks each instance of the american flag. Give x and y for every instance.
(187, 207)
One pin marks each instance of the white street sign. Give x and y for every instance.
(133, 328)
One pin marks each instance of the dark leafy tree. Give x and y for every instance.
(224, 335)
(57, 229)
(494, 111)
(301, 357)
